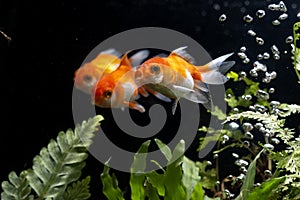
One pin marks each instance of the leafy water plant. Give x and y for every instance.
(56, 169)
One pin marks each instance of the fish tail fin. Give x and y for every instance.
(139, 57)
(213, 72)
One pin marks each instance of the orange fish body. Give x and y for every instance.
(117, 89)
(176, 77)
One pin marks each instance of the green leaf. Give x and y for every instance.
(198, 193)
(249, 180)
(17, 188)
(233, 76)
(174, 189)
(156, 180)
(151, 192)
(164, 149)
(62, 161)
(218, 113)
(78, 190)
(266, 188)
(110, 185)
(190, 176)
(137, 176)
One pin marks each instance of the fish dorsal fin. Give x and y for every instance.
(181, 52)
(111, 51)
(138, 57)
(125, 61)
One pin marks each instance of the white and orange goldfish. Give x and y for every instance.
(118, 88)
(106, 62)
(176, 77)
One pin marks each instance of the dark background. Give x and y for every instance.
(51, 39)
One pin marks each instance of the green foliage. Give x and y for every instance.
(296, 50)
(110, 185)
(58, 165)
(78, 190)
(17, 188)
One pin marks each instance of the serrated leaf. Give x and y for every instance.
(137, 177)
(78, 190)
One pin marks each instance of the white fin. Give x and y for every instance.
(184, 54)
(201, 85)
(218, 63)
(174, 106)
(214, 78)
(111, 51)
(181, 89)
(161, 96)
(139, 57)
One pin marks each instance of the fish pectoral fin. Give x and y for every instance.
(181, 89)
(134, 105)
(143, 91)
(158, 95)
(174, 106)
(201, 85)
(196, 97)
(214, 78)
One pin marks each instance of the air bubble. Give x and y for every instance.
(246, 60)
(259, 41)
(247, 126)
(243, 49)
(222, 18)
(289, 40)
(276, 22)
(249, 136)
(266, 80)
(298, 15)
(248, 18)
(235, 155)
(235, 110)
(269, 147)
(282, 6)
(273, 75)
(283, 16)
(258, 125)
(275, 141)
(251, 32)
(216, 156)
(233, 125)
(241, 163)
(260, 57)
(275, 104)
(243, 74)
(274, 49)
(262, 95)
(243, 170)
(253, 73)
(225, 138)
(273, 7)
(247, 97)
(266, 55)
(260, 13)
(276, 56)
(268, 173)
(271, 90)
(246, 144)
(242, 55)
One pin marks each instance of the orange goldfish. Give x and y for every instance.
(106, 62)
(177, 77)
(117, 89)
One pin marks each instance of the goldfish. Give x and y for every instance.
(118, 88)
(106, 62)
(176, 76)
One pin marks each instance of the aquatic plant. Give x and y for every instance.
(56, 169)
(296, 49)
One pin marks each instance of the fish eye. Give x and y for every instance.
(107, 94)
(87, 78)
(155, 69)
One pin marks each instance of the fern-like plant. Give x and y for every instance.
(57, 165)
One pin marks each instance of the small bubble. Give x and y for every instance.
(246, 144)
(253, 73)
(247, 126)
(208, 163)
(269, 147)
(241, 162)
(222, 18)
(273, 7)
(257, 185)
(249, 136)
(235, 110)
(243, 170)
(274, 49)
(259, 41)
(242, 74)
(289, 39)
(251, 32)
(260, 13)
(259, 66)
(275, 141)
(262, 95)
(246, 60)
(235, 155)
(283, 16)
(273, 75)
(275, 104)
(266, 55)
(233, 125)
(225, 138)
(276, 56)
(247, 97)
(266, 80)
(241, 177)
(260, 108)
(271, 90)
(216, 156)
(298, 15)
(248, 18)
(242, 55)
(243, 49)
(282, 6)
(260, 57)
(276, 22)
(258, 125)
